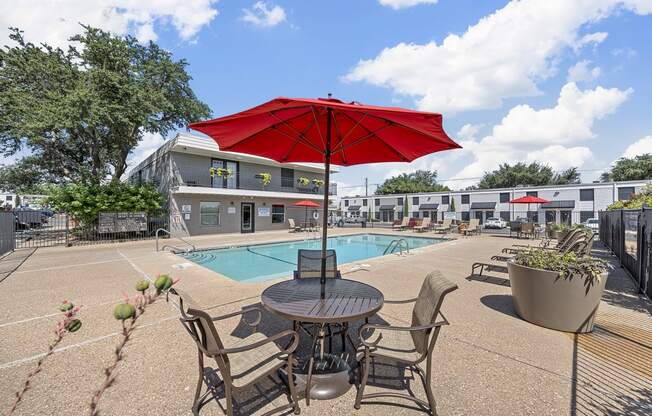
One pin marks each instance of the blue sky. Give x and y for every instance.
(561, 82)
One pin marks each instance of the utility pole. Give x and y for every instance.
(366, 186)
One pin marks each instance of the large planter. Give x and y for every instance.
(543, 298)
(558, 235)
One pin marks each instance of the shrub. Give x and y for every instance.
(636, 201)
(84, 202)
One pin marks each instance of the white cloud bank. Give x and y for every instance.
(264, 15)
(639, 147)
(402, 4)
(503, 55)
(54, 22)
(581, 72)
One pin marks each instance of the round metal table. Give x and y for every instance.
(346, 301)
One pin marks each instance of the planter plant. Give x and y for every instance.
(303, 181)
(265, 178)
(557, 291)
(221, 172)
(318, 183)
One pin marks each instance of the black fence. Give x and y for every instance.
(6, 232)
(628, 234)
(43, 228)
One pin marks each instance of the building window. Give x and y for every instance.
(586, 194)
(532, 193)
(625, 193)
(465, 199)
(585, 215)
(364, 202)
(209, 213)
(445, 200)
(415, 200)
(377, 202)
(504, 197)
(230, 182)
(488, 214)
(287, 178)
(399, 201)
(504, 215)
(377, 215)
(278, 214)
(415, 214)
(9, 198)
(346, 202)
(466, 215)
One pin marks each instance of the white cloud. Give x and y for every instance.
(264, 15)
(54, 22)
(468, 131)
(639, 147)
(581, 72)
(505, 54)
(401, 4)
(548, 135)
(149, 143)
(591, 39)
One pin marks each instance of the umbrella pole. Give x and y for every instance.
(324, 228)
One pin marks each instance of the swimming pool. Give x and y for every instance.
(268, 261)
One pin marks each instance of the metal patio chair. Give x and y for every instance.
(241, 364)
(408, 345)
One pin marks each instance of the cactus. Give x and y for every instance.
(142, 286)
(73, 325)
(66, 306)
(124, 311)
(163, 283)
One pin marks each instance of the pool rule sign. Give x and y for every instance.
(122, 222)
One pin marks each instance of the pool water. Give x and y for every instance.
(273, 260)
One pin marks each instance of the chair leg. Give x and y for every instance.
(200, 382)
(345, 329)
(428, 388)
(228, 394)
(365, 377)
(291, 386)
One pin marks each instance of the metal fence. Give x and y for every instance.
(42, 228)
(628, 234)
(6, 232)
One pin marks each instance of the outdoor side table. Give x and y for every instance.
(346, 301)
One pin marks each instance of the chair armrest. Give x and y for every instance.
(398, 302)
(242, 312)
(372, 344)
(287, 350)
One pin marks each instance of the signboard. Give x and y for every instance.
(449, 215)
(230, 210)
(264, 211)
(186, 209)
(122, 222)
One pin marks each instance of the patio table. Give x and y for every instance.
(346, 301)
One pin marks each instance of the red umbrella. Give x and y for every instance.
(327, 130)
(308, 204)
(528, 200)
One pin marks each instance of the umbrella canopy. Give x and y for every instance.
(528, 200)
(327, 130)
(306, 203)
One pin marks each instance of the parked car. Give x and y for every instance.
(497, 223)
(593, 224)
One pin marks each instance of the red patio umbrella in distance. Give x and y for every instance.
(528, 200)
(327, 130)
(308, 204)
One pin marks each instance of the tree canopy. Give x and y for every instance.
(630, 169)
(418, 181)
(534, 174)
(79, 113)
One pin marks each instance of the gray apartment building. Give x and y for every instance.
(211, 191)
(568, 204)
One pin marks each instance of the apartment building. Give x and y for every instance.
(568, 204)
(210, 191)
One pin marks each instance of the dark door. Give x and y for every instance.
(247, 224)
(551, 216)
(478, 215)
(565, 217)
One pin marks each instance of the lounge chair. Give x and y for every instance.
(545, 243)
(242, 364)
(580, 246)
(404, 223)
(293, 227)
(473, 228)
(444, 227)
(410, 345)
(424, 226)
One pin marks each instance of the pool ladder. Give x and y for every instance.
(398, 243)
(191, 245)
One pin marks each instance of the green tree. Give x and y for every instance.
(406, 209)
(630, 169)
(419, 181)
(451, 207)
(82, 111)
(534, 174)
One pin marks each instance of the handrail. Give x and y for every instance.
(177, 237)
(399, 242)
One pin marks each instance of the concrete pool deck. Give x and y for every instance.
(487, 362)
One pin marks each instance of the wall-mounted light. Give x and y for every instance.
(264, 204)
(231, 202)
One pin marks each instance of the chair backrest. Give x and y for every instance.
(473, 224)
(572, 237)
(406, 221)
(291, 222)
(309, 264)
(447, 223)
(527, 228)
(433, 290)
(200, 327)
(425, 222)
